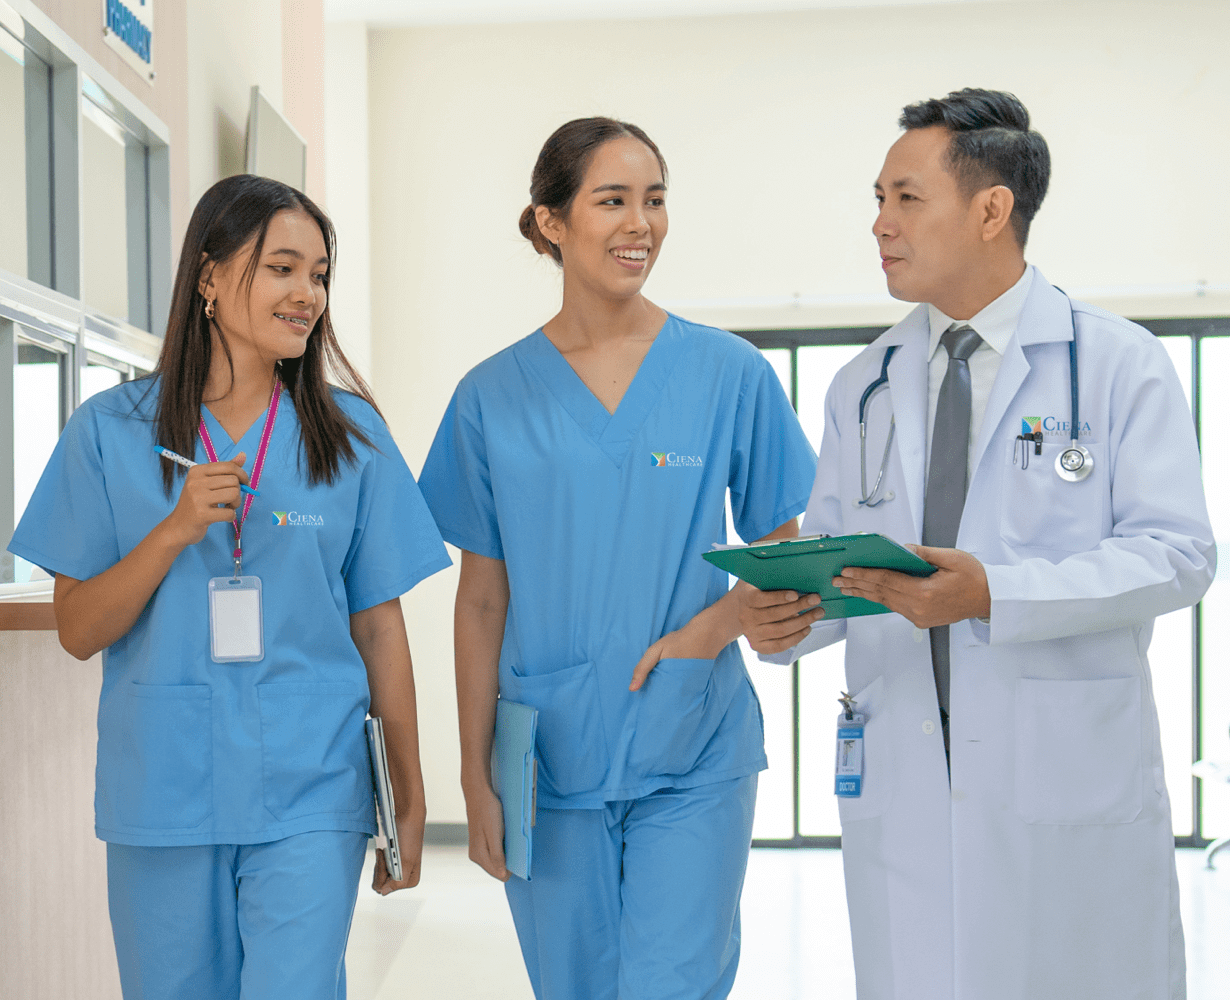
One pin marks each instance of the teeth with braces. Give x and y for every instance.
(292, 319)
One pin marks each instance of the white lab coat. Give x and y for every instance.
(1047, 872)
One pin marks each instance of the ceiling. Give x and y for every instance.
(422, 12)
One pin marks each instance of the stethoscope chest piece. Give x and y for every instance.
(1074, 463)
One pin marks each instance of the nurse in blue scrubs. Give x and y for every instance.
(235, 796)
(583, 471)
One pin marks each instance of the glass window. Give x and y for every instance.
(39, 384)
(25, 223)
(817, 366)
(1215, 613)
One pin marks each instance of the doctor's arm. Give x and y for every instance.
(780, 616)
(482, 606)
(95, 613)
(379, 633)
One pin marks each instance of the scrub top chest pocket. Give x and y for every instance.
(1038, 510)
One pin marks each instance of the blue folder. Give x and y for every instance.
(514, 775)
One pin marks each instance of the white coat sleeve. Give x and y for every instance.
(823, 515)
(1160, 555)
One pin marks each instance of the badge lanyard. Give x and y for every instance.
(236, 621)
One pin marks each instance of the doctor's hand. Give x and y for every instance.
(957, 590)
(410, 841)
(205, 488)
(485, 819)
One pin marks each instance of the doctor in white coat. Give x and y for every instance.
(1031, 859)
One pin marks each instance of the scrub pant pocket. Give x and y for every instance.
(235, 922)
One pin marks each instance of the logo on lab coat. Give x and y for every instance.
(292, 518)
(674, 460)
(1052, 426)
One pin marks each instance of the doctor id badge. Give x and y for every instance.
(848, 781)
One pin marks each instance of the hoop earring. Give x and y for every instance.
(209, 308)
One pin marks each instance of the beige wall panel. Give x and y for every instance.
(303, 83)
(774, 127)
(55, 935)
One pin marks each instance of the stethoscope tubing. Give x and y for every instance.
(1072, 465)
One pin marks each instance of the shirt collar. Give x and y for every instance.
(995, 323)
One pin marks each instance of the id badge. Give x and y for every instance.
(849, 771)
(236, 621)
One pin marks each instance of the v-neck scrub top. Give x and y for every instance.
(196, 752)
(601, 521)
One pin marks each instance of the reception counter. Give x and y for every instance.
(55, 935)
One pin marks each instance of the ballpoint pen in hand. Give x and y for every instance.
(187, 463)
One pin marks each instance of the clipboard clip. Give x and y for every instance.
(848, 703)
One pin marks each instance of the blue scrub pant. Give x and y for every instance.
(638, 900)
(235, 922)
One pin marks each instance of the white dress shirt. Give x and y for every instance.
(995, 324)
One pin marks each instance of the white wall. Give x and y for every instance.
(774, 127)
(347, 190)
(232, 45)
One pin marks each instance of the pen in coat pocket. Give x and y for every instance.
(187, 463)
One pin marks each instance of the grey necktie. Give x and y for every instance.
(948, 480)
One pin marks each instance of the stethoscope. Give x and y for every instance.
(1072, 465)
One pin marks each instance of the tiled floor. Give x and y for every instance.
(453, 937)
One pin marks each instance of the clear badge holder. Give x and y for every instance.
(236, 619)
(848, 779)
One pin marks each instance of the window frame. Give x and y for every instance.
(50, 310)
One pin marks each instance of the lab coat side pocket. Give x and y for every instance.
(571, 745)
(314, 756)
(678, 711)
(164, 759)
(1078, 757)
(878, 771)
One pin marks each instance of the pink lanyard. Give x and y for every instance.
(257, 466)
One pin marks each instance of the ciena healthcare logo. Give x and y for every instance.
(673, 460)
(290, 519)
(1031, 425)
(1052, 426)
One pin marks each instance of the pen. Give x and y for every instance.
(187, 463)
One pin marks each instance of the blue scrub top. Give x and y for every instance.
(601, 521)
(196, 752)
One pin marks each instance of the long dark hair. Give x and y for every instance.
(228, 216)
(560, 170)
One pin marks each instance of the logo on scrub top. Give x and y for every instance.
(292, 518)
(1031, 425)
(674, 460)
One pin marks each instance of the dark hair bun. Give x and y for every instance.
(529, 229)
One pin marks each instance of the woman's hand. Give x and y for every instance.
(410, 842)
(210, 495)
(485, 818)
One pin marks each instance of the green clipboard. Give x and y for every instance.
(808, 565)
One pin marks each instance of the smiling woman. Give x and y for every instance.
(241, 654)
(583, 471)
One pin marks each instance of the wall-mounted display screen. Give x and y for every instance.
(275, 149)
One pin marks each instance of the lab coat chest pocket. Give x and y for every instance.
(878, 771)
(165, 752)
(1078, 751)
(571, 745)
(1038, 510)
(314, 749)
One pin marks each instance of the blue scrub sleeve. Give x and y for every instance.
(395, 542)
(772, 466)
(68, 526)
(456, 479)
